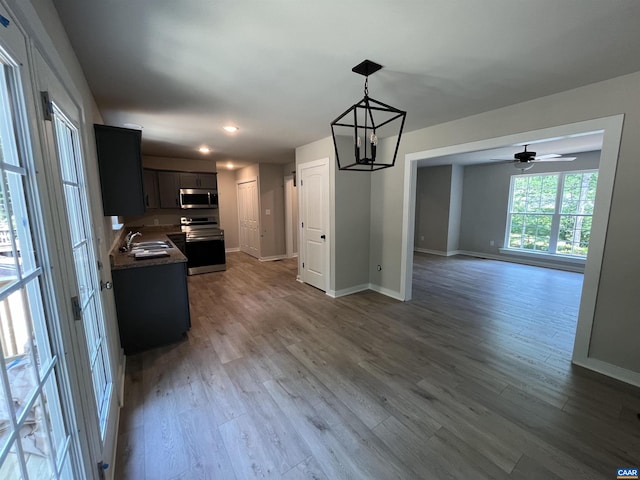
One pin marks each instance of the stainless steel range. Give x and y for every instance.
(205, 245)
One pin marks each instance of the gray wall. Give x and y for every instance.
(486, 199)
(615, 328)
(271, 188)
(271, 197)
(455, 207)
(228, 200)
(352, 224)
(433, 197)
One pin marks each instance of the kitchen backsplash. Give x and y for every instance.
(167, 217)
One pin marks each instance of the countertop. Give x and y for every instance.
(122, 260)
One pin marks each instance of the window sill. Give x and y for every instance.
(554, 257)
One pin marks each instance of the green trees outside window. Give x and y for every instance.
(552, 213)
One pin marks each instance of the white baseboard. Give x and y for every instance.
(272, 258)
(293, 255)
(348, 291)
(437, 252)
(234, 249)
(524, 261)
(613, 371)
(386, 291)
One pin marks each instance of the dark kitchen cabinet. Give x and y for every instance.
(151, 195)
(152, 304)
(198, 180)
(169, 189)
(120, 164)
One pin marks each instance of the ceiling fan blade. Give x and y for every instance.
(548, 155)
(555, 159)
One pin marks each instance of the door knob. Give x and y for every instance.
(323, 236)
(107, 285)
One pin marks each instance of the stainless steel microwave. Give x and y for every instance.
(198, 198)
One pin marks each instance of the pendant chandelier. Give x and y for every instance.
(357, 131)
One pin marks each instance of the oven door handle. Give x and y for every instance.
(204, 239)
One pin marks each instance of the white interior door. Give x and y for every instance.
(314, 223)
(67, 182)
(248, 217)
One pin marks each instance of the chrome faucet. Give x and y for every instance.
(129, 238)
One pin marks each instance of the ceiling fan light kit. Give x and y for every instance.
(524, 160)
(357, 131)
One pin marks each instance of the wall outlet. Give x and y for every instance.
(156, 222)
(267, 212)
(422, 238)
(491, 243)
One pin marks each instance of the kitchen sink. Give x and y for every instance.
(154, 245)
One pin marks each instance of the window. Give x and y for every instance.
(552, 213)
(35, 432)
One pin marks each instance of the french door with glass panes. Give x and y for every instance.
(66, 177)
(38, 424)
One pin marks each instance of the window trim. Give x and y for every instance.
(555, 222)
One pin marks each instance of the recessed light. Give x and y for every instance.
(133, 126)
(230, 165)
(230, 128)
(204, 150)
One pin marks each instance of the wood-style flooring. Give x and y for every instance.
(471, 379)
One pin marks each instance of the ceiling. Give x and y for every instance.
(564, 145)
(280, 70)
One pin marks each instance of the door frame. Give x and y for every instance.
(323, 162)
(290, 223)
(612, 127)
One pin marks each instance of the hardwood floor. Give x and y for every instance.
(471, 379)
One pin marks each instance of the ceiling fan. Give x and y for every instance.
(524, 160)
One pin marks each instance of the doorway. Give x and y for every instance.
(291, 216)
(612, 128)
(74, 225)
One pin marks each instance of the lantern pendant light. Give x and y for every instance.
(356, 133)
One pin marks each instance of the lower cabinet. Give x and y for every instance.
(152, 304)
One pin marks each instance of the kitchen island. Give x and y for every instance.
(151, 295)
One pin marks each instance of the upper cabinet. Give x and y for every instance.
(198, 180)
(151, 196)
(169, 189)
(120, 164)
